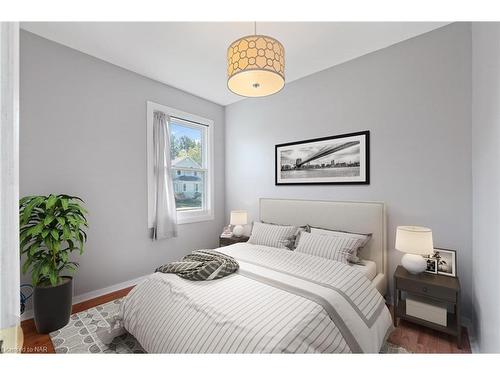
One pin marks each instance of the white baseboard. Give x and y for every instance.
(28, 314)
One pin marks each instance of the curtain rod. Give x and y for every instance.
(191, 121)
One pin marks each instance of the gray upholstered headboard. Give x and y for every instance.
(359, 217)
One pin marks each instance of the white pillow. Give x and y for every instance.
(363, 237)
(339, 248)
(272, 235)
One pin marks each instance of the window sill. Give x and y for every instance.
(189, 218)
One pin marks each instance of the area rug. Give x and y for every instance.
(83, 334)
(389, 348)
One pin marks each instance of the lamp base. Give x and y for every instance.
(413, 263)
(238, 230)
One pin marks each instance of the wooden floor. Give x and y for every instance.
(410, 336)
(418, 339)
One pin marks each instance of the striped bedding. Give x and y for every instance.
(339, 248)
(281, 236)
(277, 302)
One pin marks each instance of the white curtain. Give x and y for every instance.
(165, 224)
(10, 333)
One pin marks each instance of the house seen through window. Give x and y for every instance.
(187, 143)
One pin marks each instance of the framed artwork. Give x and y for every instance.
(431, 265)
(339, 159)
(445, 260)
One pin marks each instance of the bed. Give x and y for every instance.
(279, 301)
(358, 217)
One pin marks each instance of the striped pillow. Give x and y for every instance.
(339, 248)
(364, 238)
(272, 235)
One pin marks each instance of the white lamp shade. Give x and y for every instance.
(414, 240)
(238, 217)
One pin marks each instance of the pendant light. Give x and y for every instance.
(255, 65)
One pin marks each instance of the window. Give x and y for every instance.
(188, 167)
(191, 157)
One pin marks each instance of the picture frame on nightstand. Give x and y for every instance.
(227, 233)
(431, 265)
(446, 262)
(442, 262)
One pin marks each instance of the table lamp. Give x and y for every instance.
(415, 242)
(238, 219)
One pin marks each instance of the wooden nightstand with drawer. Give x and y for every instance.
(434, 289)
(226, 241)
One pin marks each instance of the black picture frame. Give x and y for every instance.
(366, 161)
(431, 265)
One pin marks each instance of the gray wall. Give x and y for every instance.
(83, 132)
(415, 99)
(486, 183)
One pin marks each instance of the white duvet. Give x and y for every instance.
(279, 301)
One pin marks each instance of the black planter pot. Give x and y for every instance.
(52, 305)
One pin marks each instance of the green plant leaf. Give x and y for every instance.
(45, 269)
(26, 265)
(64, 203)
(23, 201)
(81, 241)
(33, 248)
(51, 201)
(35, 274)
(53, 277)
(66, 233)
(27, 210)
(45, 232)
(48, 219)
(72, 266)
(37, 229)
(24, 242)
(48, 242)
(55, 234)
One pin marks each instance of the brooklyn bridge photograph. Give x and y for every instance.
(340, 159)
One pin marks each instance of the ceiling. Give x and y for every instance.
(191, 56)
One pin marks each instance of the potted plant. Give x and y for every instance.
(51, 228)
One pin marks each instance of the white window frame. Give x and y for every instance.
(189, 216)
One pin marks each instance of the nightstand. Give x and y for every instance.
(431, 288)
(226, 241)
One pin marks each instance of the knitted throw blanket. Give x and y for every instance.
(202, 265)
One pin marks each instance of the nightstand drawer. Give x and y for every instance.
(226, 241)
(432, 291)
